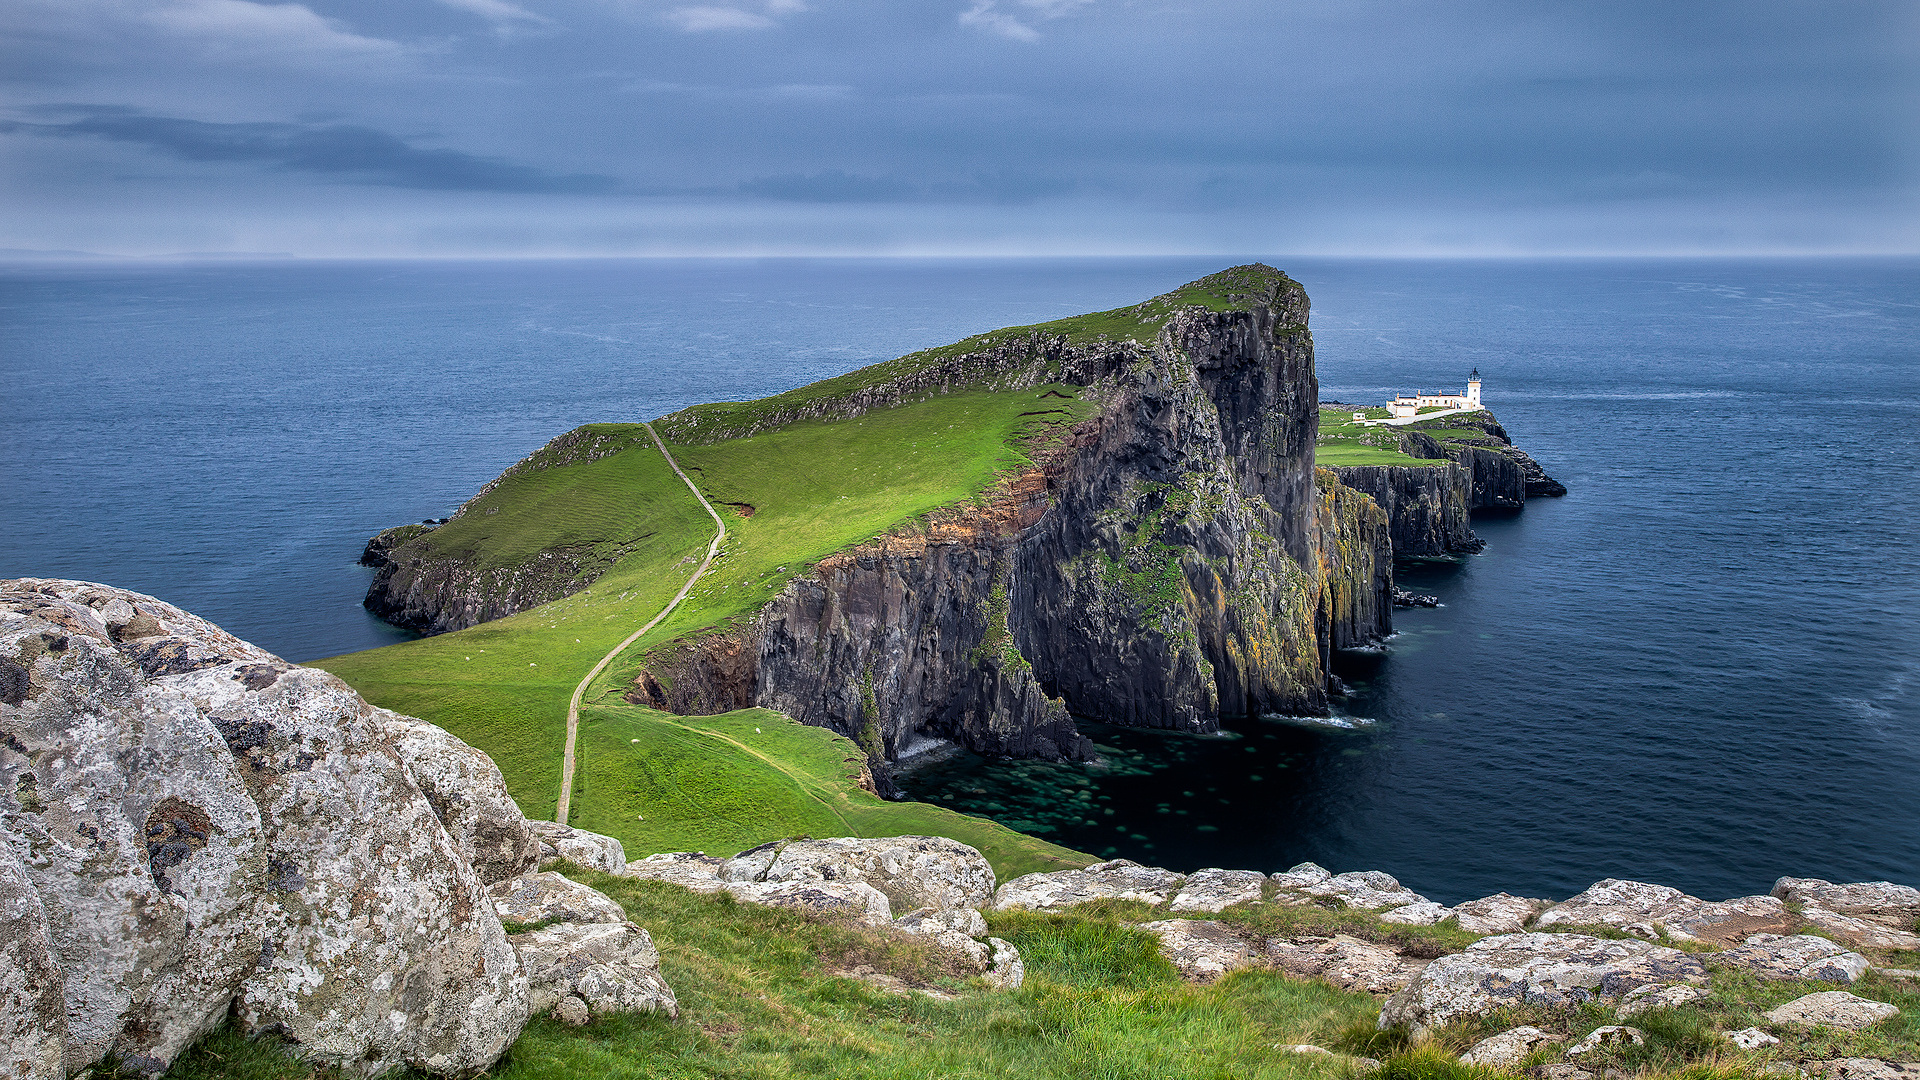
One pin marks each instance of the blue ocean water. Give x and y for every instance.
(1697, 668)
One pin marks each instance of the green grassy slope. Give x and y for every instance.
(1343, 442)
(815, 487)
(798, 493)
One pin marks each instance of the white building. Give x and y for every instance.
(1410, 404)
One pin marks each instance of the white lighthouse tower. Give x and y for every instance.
(1473, 389)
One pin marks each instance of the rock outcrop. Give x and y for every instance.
(1179, 534)
(1555, 970)
(192, 828)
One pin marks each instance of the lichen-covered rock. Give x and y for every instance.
(209, 830)
(1501, 913)
(1618, 903)
(1008, 971)
(1555, 970)
(1346, 962)
(1751, 1039)
(1301, 875)
(855, 899)
(1859, 932)
(1202, 950)
(1729, 921)
(582, 848)
(1509, 1048)
(608, 967)
(469, 795)
(912, 871)
(966, 921)
(1610, 1037)
(552, 897)
(1658, 997)
(1116, 879)
(1367, 890)
(1876, 900)
(1801, 956)
(33, 1009)
(1834, 1009)
(687, 869)
(1865, 1069)
(1213, 889)
(1425, 913)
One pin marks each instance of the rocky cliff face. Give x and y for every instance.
(1428, 507)
(191, 828)
(1171, 563)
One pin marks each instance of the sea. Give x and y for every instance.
(1697, 668)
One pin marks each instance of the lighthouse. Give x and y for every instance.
(1473, 389)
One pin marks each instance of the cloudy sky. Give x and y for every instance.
(504, 127)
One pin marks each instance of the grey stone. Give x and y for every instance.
(1618, 903)
(1213, 890)
(1306, 1048)
(1119, 879)
(1346, 962)
(912, 871)
(854, 899)
(1201, 949)
(1801, 956)
(581, 848)
(1008, 971)
(1422, 914)
(1751, 1039)
(33, 1011)
(1501, 913)
(572, 1011)
(1729, 922)
(469, 796)
(1611, 1037)
(1884, 902)
(967, 921)
(1860, 932)
(1834, 1009)
(1658, 997)
(688, 869)
(551, 897)
(1301, 875)
(1564, 1070)
(1367, 890)
(607, 967)
(210, 830)
(1555, 970)
(1508, 1048)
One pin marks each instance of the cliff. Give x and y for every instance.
(1160, 555)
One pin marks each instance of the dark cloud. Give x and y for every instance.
(348, 152)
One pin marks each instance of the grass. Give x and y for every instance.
(814, 487)
(1342, 442)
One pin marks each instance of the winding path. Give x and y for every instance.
(573, 707)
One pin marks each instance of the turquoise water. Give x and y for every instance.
(1696, 668)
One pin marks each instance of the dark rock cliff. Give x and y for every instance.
(1428, 507)
(1171, 563)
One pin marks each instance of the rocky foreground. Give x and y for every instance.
(192, 830)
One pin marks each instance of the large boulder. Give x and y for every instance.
(1213, 890)
(1368, 890)
(1801, 956)
(1833, 1009)
(1554, 970)
(840, 899)
(1201, 949)
(552, 898)
(912, 871)
(1501, 913)
(469, 796)
(209, 830)
(580, 847)
(1117, 879)
(1346, 962)
(1647, 910)
(687, 869)
(33, 1008)
(580, 970)
(1876, 914)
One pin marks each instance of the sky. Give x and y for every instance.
(481, 128)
